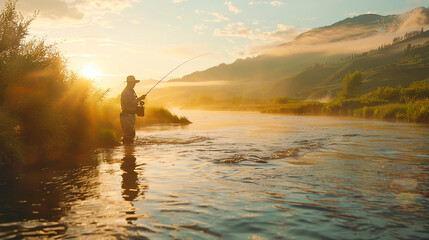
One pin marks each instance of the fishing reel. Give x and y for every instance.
(140, 109)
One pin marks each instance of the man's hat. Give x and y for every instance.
(131, 78)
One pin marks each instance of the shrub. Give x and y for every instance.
(54, 109)
(416, 91)
(281, 100)
(160, 115)
(352, 84)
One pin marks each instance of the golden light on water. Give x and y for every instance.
(90, 71)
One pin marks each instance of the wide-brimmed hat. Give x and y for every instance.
(131, 78)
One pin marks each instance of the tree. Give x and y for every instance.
(44, 107)
(352, 84)
(13, 30)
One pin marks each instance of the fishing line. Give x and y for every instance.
(174, 70)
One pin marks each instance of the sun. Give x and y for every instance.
(90, 71)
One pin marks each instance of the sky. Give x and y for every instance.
(110, 39)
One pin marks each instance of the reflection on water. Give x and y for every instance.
(130, 181)
(130, 188)
(233, 176)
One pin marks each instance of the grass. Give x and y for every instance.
(156, 115)
(407, 104)
(411, 112)
(300, 108)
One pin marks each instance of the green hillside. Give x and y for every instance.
(390, 65)
(313, 73)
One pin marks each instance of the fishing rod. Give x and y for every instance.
(174, 70)
(140, 106)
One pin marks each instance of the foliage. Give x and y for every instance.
(9, 142)
(410, 104)
(160, 115)
(413, 112)
(352, 84)
(45, 109)
(281, 100)
(308, 108)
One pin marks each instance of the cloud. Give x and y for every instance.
(72, 10)
(218, 18)
(232, 8)
(282, 33)
(234, 30)
(100, 41)
(107, 5)
(414, 19)
(346, 40)
(276, 3)
(356, 13)
(199, 28)
(51, 9)
(253, 49)
(177, 1)
(87, 55)
(272, 3)
(136, 21)
(183, 50)
(261, 41)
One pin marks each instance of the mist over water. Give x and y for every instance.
(234, 175)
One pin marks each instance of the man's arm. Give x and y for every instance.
(142, 97)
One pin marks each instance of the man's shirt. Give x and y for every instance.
(129, 101)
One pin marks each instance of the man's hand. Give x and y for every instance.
(141, 97)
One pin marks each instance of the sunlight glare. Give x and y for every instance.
(90, 71)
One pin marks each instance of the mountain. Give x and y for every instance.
(310, 66)
(395, 64)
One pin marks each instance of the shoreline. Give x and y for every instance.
(261, 109)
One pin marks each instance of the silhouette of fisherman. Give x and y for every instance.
(129, 102)
(130, 185)
(130, 188)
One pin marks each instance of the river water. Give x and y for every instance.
(233, 175)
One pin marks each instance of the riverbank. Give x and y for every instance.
(400, 103)
(411, 112)
(410, 104)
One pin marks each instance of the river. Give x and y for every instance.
(233, 175)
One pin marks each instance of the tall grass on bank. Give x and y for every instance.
(408, 104)
(156, 115)
(298, 108)
(413, 112)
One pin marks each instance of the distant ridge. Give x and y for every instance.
(291, 74)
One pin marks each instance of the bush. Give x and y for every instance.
(160, 115)
(106, 137)
(416, 91)
(298, 108)
(410, 104)
(383, 95)
(352, 84)
(10, 147)
(54, 110)
(281, 100)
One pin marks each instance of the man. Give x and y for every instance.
(129, 102)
